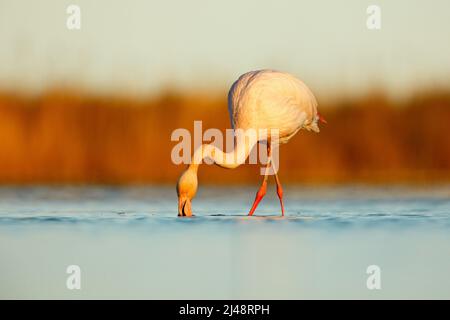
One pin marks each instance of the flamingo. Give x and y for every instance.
(262, 99)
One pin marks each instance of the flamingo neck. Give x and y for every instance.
(228, 160)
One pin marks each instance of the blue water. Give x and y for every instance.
(129, 243)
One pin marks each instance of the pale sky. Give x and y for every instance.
(141, 46)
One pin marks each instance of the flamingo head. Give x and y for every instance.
(186, 190)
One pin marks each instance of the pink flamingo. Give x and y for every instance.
(263, 99)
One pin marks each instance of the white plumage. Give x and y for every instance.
(268, 99)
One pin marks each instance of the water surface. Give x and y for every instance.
(129, 243)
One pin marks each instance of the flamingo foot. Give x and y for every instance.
(184, 207)
(259, 195)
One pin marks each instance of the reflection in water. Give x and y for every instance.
(129, 243)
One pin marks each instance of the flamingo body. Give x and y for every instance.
(268, 99)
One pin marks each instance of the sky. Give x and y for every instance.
(140, 47)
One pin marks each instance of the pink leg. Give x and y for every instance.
(263, 189)
(280, 193)
(259, 195)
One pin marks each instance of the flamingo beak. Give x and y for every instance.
(184, 207)
(321, 118)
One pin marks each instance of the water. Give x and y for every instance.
(129, 243)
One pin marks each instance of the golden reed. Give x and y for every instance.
(66, 137)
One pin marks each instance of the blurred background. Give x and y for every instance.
(99, 104)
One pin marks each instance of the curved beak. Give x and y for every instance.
(184, 207)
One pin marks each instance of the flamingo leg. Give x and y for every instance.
(263, 189)
(280, 193)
